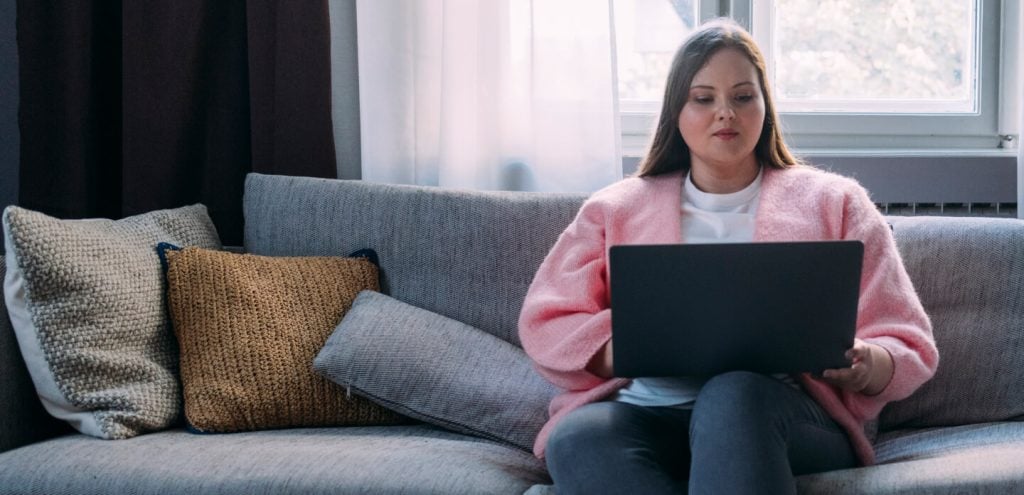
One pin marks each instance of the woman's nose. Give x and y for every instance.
(726, 112)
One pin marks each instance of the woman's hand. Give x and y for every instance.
(870, 370)
(601, 363)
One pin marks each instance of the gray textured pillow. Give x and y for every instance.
(86, 300)
(437, 370)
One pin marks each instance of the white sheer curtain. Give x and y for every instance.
(1019, 101)
(488, 94)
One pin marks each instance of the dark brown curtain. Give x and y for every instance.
(138, 105)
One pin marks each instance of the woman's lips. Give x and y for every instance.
(726, 134)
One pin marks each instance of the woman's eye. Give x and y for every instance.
(744, 98)
(703, 99)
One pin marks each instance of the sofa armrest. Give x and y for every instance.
(22, 417)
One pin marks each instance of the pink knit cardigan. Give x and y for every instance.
(566, 317)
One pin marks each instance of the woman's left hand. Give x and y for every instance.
(870, 369)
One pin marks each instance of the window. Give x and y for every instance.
(847, 75)
(872, 57)
(647, 33)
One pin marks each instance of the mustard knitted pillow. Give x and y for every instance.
(249, 327)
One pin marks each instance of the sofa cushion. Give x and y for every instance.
(86, 302)
(977, 459)
(418, 459)
(969, 273)
(921, 443)
(466, 255)
(437, 370)
(249, 327)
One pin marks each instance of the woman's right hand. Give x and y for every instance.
(601, 363)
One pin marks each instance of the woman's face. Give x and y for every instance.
(722, 118)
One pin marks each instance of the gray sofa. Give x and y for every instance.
(470, 256)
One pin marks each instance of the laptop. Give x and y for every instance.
(704, 309)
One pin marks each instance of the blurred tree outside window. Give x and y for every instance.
(875, 56)
(837, 56)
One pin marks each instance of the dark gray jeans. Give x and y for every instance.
(747, 433)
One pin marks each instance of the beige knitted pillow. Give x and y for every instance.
(249, 327)
(86, 300)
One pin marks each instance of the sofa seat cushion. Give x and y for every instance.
(912, 444)
(978, 459)
(371, 459)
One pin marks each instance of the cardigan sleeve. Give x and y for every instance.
(566, 317)
(890, 314)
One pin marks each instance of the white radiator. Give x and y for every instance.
(1008, 210)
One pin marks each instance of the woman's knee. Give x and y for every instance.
(738, 395)
(614, 447)
(596, 427)
(582, 428)
(738, 386)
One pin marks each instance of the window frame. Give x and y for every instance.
(992, 130)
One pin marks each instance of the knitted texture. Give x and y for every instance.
(86, 302)
(249, 327)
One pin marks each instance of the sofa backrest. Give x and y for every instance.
(466, 255)
(472, 255)
(969, 273)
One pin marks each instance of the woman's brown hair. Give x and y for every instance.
(668, 152)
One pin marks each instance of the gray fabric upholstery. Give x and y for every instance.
(470, 256)
(437, 370)
(371, 460)
(22, 417)
(976, 459)
(466, 255)
(969, 273)
(910, 444)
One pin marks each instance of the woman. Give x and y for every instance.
(718, 171)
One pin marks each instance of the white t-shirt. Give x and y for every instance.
(706, 218)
